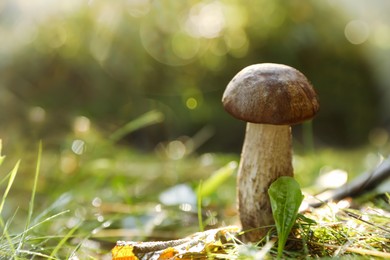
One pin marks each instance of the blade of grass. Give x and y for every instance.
(199, 205)
(2, 157)
(6, 178)
(64, 239)
(21, 236)
(7, 224)
(31, 253)
(46, 220)
(9, 185)
(9, 246)
(217, 178)
(11, 179)
(147, 119)
(60, 203)
(32, 199)
(78, 246)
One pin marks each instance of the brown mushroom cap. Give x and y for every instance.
(270, 93)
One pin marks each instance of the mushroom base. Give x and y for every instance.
(266, 156)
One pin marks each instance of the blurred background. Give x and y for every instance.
(104, 63)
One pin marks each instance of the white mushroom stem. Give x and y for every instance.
(266, 155)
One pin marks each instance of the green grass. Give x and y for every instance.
(25, 244)
(81, 204)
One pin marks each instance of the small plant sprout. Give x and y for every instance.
(286, 197)
(270, 97)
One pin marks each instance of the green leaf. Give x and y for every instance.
(305, 220)
(286, 197)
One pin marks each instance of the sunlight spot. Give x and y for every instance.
(304, 206)
(232, 165)
(97, 202)
(100, 218)
(191, 103)
(332, 179)
(352, 223)
(185, 207)
(357, 31)
(37, 114)
(107, 224)
(365, 218)
(176, 150)
(343, 204)
(81, 124)
(206, 20)
(158, 208)
(207, 159)
(78, 146)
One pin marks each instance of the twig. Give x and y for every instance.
(356, 216)
(151, 250)
(363, 183)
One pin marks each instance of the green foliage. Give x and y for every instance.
(113, 194)
(6, 237)
(286, 197)
(113, 62)
(32, 199)
(27, 243)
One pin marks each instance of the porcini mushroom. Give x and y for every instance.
(270, 97)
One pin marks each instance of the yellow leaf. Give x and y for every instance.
(168, 253)
(124, 252)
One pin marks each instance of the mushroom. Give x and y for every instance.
(270, 97)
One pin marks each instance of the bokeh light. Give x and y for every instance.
(191, 103)
(206, 20)
(37, 114)
(176, 150)
(78, 146)
(357, 31)
(81, 124)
